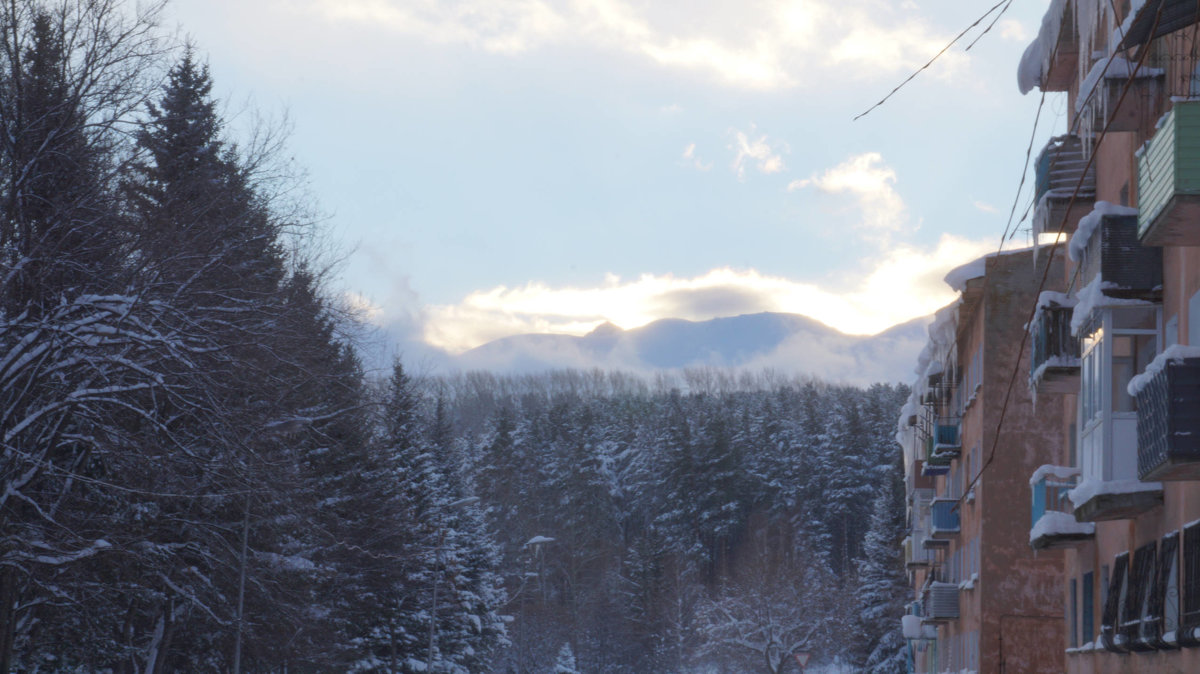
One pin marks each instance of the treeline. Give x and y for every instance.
(193, 475)
(650, 530)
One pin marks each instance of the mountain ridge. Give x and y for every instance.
(765, 339)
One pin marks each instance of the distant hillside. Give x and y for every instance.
(788, 342)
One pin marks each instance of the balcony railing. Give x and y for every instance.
(1168, 422)
(1109, 98)
(1169, 180)
(935, 464)
(943, 518)
(1052, 518)
(1129, 269)
(1054, 365)
(940, 602)
(915, 553)
(1057, 173)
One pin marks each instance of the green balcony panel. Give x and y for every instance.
(1169, 180)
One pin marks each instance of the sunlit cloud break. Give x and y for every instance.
(904, 284)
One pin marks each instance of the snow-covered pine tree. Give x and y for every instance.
(882, 586)
(565, 663)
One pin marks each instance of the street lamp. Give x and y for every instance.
(460, 503)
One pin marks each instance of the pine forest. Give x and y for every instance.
(200, 474)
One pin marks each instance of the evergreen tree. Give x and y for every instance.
(882, 586)
(565, 664)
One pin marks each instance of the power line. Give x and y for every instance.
(938, 55)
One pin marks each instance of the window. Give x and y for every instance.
(1073, 617)
(1131, 354)
(1089, 389)
(1166, 590)
(1194, 319)
(1118, 344)
(1134, 343)
(1088, 618)
(1189, 617)
(1114, 606)
(1139, 622)
(1072, 439)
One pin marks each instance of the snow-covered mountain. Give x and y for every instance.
(788, 342)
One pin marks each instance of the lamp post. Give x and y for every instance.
(462, 502)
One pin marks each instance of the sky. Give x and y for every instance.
(496, 167)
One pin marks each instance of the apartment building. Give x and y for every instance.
(1114, 358)
(983, 600)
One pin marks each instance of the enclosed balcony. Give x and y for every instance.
(1119, 340)
(1106, 246)
(916, 553)
(1169, 180)
(1054, 362)
(1052, 516)
(1168, 416)
(1061, 168)
(940, 602)
(946, 442)
(943, 518)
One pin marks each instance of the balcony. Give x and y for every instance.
(1052, 517)
(1050, 61)
(1112, 251)
(912, 626)
(935, 464)
(1054, 362)
(1109, 98)
(1156, 18)
(916, 555)
(1168, 417)
(946, 442)
(1097, 501)
(943, 518)
(1058, 172)
(1169, 180)
(940, 602)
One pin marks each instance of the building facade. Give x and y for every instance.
(983, 600)
(1114, 355)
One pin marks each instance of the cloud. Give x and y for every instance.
(985, 207)
(870, 182)
(758, 44)
(690, 159)
(1011, 29)
(903, 284)
(757, 149)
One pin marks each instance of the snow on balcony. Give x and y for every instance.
(1054, 527)
(1102, 500)
(1093, 297)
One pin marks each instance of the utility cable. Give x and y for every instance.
(939, 55)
